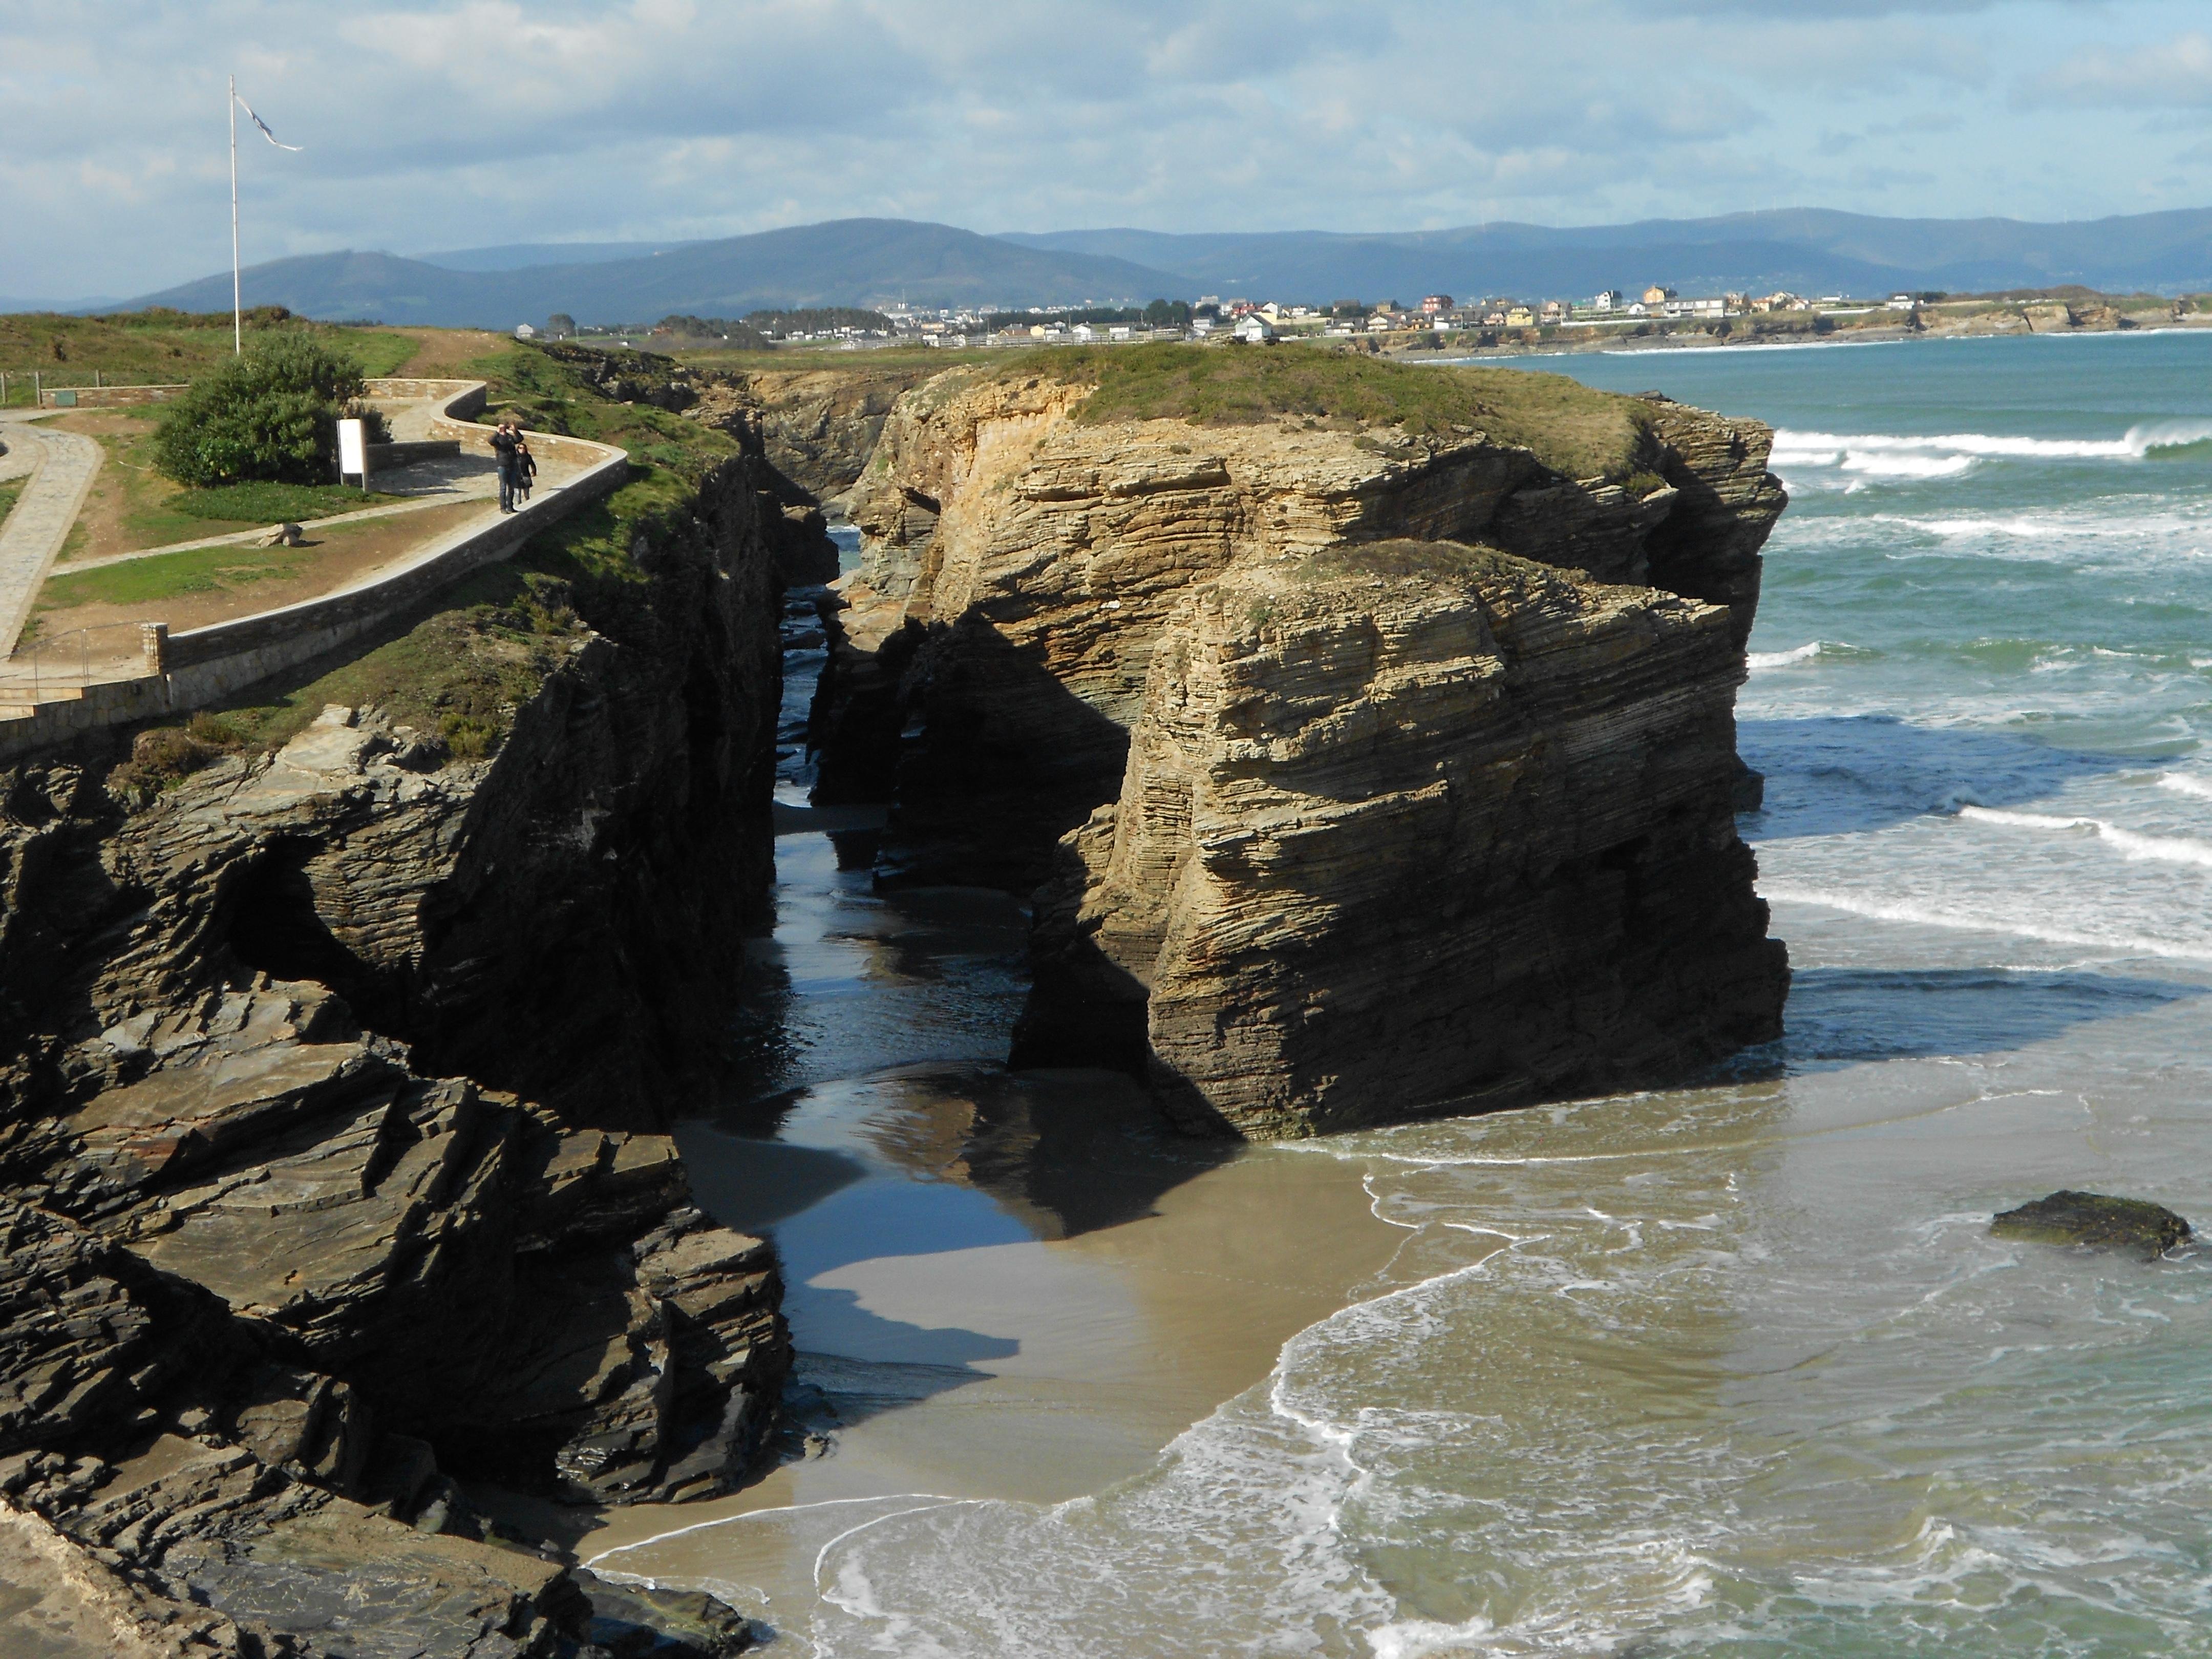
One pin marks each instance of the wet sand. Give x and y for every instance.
(1000, 1286)
(965, 1342)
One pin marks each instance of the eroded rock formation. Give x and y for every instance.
(330, 1165)
(1389, 840)
(1411, 827)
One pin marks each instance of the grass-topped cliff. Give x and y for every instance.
(461, 666)
(163, 347)
(1572, 429)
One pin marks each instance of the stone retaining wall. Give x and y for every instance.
(208, 664)
(105, 396)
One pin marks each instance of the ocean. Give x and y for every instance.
(1734, 1370)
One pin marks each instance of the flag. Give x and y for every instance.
(262, 125)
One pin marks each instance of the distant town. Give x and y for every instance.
(1490, 320)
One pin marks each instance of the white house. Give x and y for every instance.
(1607, 302)
(1255, 330)
(523, 332)
(1084, 333)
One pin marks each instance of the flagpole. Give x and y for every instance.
(237, 317)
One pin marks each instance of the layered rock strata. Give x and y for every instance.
(817, 428)
(1485, 822)
(331, 1176)
(1042, 556)
(1412, 827)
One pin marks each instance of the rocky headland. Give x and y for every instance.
(333, 1091)
(1363, 734)
(1366, 733)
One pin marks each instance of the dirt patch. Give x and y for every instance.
(217, 584)
(446, 353)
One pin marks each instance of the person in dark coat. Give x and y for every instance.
(526, 465)
(506, 440)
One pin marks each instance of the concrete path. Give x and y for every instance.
(32, 534)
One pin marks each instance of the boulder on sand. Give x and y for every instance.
(2112, 1224)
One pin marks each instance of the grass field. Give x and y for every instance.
(131, 506)
(461, 665)
(1572, 429)
(330, 555)
(162, 347)
(9, 493)
(166, 575)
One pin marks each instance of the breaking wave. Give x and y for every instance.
(2130, 844)
(1949, 455)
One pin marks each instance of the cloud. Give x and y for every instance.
(2172, 74)
(469, 122)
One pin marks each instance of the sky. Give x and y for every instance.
(477, 122)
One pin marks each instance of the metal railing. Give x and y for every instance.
(46, 666)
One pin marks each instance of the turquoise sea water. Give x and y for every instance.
(1737, 1370)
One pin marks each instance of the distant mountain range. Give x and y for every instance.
(1806, 250)
(873, 262)
(847, 262)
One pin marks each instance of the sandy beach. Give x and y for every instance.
(1001, 1287)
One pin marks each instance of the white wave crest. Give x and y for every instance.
(2168, 434)
(1420, 1639)
(2165, 849)
(2187, 783)
(1926, 916)
(1784, 659)
(1948, 455)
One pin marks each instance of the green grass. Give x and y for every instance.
(261, 503)
(459, 672)
(155, 513)
(462, 665)
(169, 576)
(160, 347)
(10, 492)
(1572, 429)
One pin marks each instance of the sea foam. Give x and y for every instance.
(1952, 455)
(1784, 659)
(1927, 915)
(2165, 849)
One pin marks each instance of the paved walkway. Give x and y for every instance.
(33, 533)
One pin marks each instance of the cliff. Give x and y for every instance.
(332, 1080)
(1412, 827)
(1385, 843)
(817, 426)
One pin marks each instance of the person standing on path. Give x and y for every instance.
(526, 466)
(505, 441)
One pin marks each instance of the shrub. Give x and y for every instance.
(270, 415)
(162, 756)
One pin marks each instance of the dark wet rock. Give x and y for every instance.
(635, 1621)
(2095, 1220)
(329, 1175)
